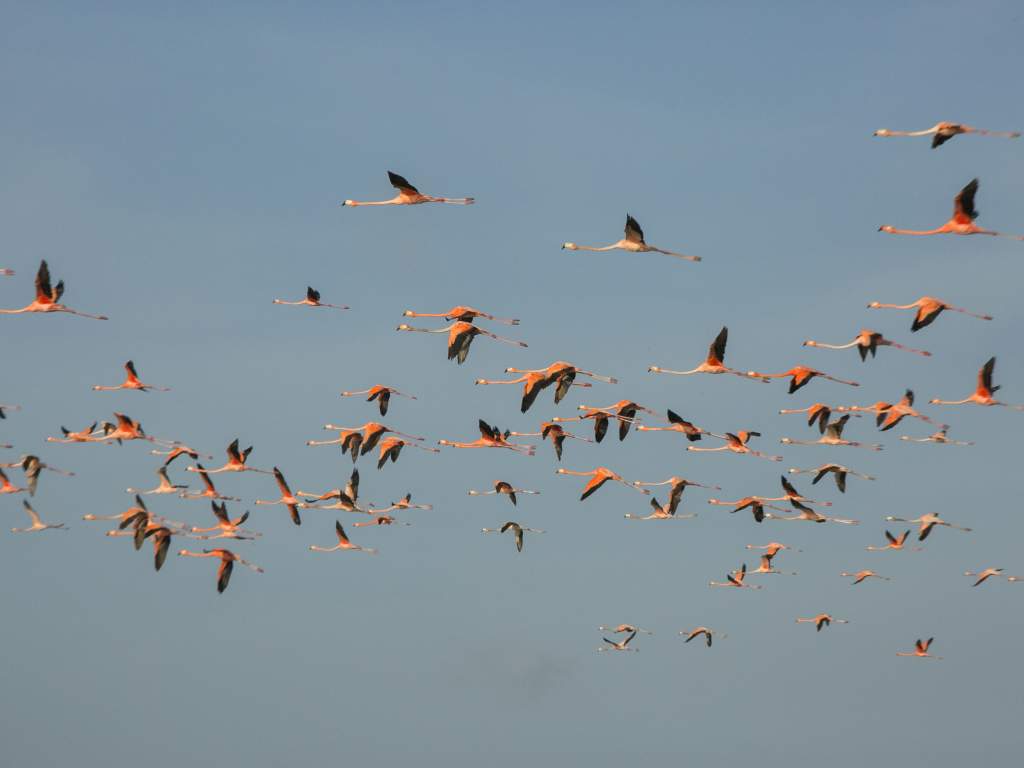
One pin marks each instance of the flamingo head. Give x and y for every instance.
(569, 246)
(182, 552)
(404, 327)
(874, 305)
(349, 203)
(882, 132)
(885, 228)
(408, 313)
(653, 369)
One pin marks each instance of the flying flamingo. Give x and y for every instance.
(32, 466)
(131, 381)
(179, 449)
(735, 579)
(633, 242)
(209, 492)
(554, 432)
(381, 394)
(666, 512)
(944, 131)
(816, 412)
(773, 547)
(926, 523)
(678, 485)
(867, 342)
(235, 463)
(226, 527)
(754, 503)
(624, 411)
(6, 272)
(801, 375)
(392, 447)
(491, 437)
(807, 514)
(563, 374)
(622, 629)
(859, 576)
(5, 407)
(896, 543)
(165, 485)
(126, 428)
(598, 477)
(677, 423)
(343, 543)
(503, 488)
(346, 497)
(821, 620)
(766, 566)
(460, 337)
(404, 503)
(888, 415)
(621, 645)
(921, 650)
(833, 436)
(409, 195)
(838, 471)
(465, 314)
(350, 440)
(87, 435)
(982, 394)
(48, 298)
(533, 384)
(928, 308)
(737, 443)
(962, 222)
(312, 300)
(131, 515)
(517, 531)
(227, 564)
(287, 498)
(37, 524)
(692, 633)
(938, 437)
(713, 363)
(380, 520)
(988, 573)
(7, 487)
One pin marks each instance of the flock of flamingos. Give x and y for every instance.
(138, 523)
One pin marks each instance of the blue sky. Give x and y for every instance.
(181, 167)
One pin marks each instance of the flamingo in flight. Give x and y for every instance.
(209, 491)
(491, 437)
(861, 575)
(677, 423)
(988, 573)
(773, 547)
(460, 337)
(765, 566)
(227, 564)
(816, 412)
(32, 466)
(598, 477)
(895, 543)
(633, 241)
(822, 620)
(962, 222)
(756, 505)
(126, 428)
(86, 435)
(621, 645)
(464, 314)
(164, 486)
(287, 498)
(625, 411)
(6, 486)
(346, 497)
(404, 503)
(37, 523)
(838, 472)
(343, 543)
(131, 381)
(982, 394)
(312, 300)
(714, 362)
(944, 131)
(226, 527)
(533, 384)
(888, 415)
(5, 407)
(735, 579)
(737, 443)
(392, 447)
(622, 629)
(553, 432)
(800, 376)
(926, 523)
(809, 515)
(661, 512)
(381, 394)
(177, 450)
(502, 487)
(677, 485)
(517, 530)
(928, 309)
(833, 436)
(921, 650)
(409, 195)
(867, 342)
(939, 437)
(563, 374)
(235, 463)
(707, 633)
(48, 297)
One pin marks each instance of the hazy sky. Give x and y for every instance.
(180, 167)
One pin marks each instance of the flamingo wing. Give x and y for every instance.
(595, 482)
(401, 184)
(44, 292)
(964, 211)
(716, 352)
(634, 233)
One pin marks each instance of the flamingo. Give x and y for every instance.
(622, 629)
(554, 432)
(867, 342)
(756, 505)
(677, 423)
(624, 411)
(807, 514)
(773, 547)
(161, 536)
(460, 337)
(938, 437)
(801, 375)
(533, 384)
(921, 650)
(833, 436)
(129, 517)
(164, 486)
(32, 466)
(678, 485)
(48, 297)
(713, 363)
(409, 195)
(821, 620)
(87, 435)
(692, 633)
(350, 440)
(7, 487)
(312, 300)
(381, 394)
(598, 477)
(179, 449)
(227, 564)
(632, 242)
(888, 415)
(343, 543)
(404, 503)
(491, 437)
(926, 523)
(503, 487)
(666, 512)
(766, 566)
(622, 645)
(126, 428)
(131, 381)
(962, 222)
(838, 471)
(988, 573)
(737, 443)
(4, 407)
(944, 131)
(982, 394)
(928, 308)
(226, 527)
(465, 314)
(37, 524)
(896, 543)
(816, 412)
(517, 531)
(287, 498)
(380, 520)
(392, 447)
(735, 579)
(346, 498)
(209, 492)
(6, 272)
(235, 463)
(860, 576)
(563, 374)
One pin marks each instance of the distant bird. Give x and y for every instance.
(944, 131)
(380, 520)
(838, 471)
(962, 222)
(312, 300)
(37, 524)
(867, 343)
(346, 497)
(287, 498)
(5, 407)
(131, 381)
(888, 415)
(409, 195)
(563, 375)
(391, 447)
(632, 241)
(209, 492)
(502, 487)
(491, 437)
(735, 579)
(87, 435)
(126, 428)
(678, 485)
(465, 314)
(235, 463)
(982, 394)
(677, 423)
(833, 436)
(928, 308)
(707, 633)
(821, 620)
(343, 543)
(227, 564)
(807, 514)
(860, 576)
(460, 337)
(404, 503)
(226, 527)
(533, 385)
(989, 573)
(938, 437)
(622, 629)
(816, 412)
(800, 376)
(32, 466)
(921, 650)
(598, 477)
(177, 450)
(765, 566)
(666, 512)
(756, 505)
(553, 432)
(517, 531)
(165, 485)
(773, 548)
(895, 543)
(7, 487)
(6, 272)
(713, 363)
(926, 523)
(737, 443)
(48, 297)
(381, 394)
(621, 645)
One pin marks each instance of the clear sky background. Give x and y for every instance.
(180, 167)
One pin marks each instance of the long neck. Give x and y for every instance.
(896, 231)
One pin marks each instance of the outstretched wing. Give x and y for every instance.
(716, 352)
(312, 294)
(633, 232)
(401, 184)
(44, 293)
(963, 205)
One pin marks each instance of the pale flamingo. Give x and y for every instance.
(944, 131)
(287, 498)
(346, 498)
(735, 579)
(517, 530)
(765, 566)
(938, 437)
(888, 415)
(988, 573)
(380, 520)
(773, 547)
(756, 506)
(982, 394)
(624, 411)
(563, 374)
(621, 629)
(633, 241)
(666, 512)
(833, 436)
(736, 442)
(816, 412)
(800, 376)
(867, 342)
(32, 466)
(209, 492)
(404, 503)
(491, 437)
(554, 432)
(350, 440)
(164, 486)
(678, 485)
(126, 428)
(312, 300)
(343, 543)
(381, 394)
(235, 463)
(131, 381)
(822, 620)
(926, 523)
(48, 297)
(896, 543)
(838, 471)
(7, 487)
(692, 633)
(677, 423)
(533, 384)
(807, 514)
(928, 308)
(502, 487)
(962, 222)
(621, 645)
(87, 435)
(598, 477)
(460, 337)
(713, 363)
(179, 449)
(921, 650)
(408, 195)
(861, 575)
(226, 527)
(465, 314)
(227, 564)
(130, 516)
(392, 447)
(4, 407)
(37, 524)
